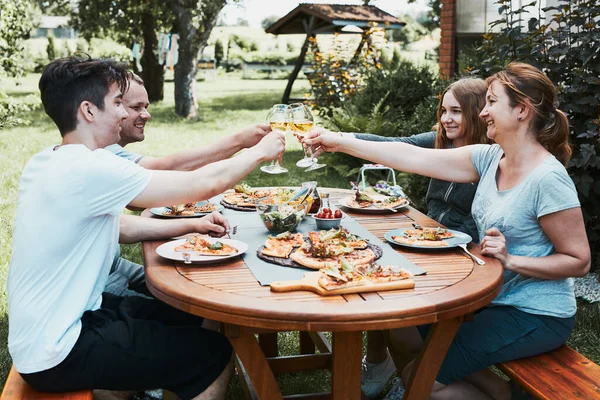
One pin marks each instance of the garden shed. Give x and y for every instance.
(313, 19)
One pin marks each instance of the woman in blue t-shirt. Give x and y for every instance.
(528, 216)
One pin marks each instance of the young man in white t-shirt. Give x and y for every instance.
(127, 278)
(65, 334)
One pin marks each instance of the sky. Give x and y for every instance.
(254, 11)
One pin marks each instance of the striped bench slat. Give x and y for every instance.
(560, 374)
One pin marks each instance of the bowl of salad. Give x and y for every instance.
(279, 218)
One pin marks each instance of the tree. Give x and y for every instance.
(268, 21)
(195, 20)
(126, 22)
(55, 7)
(219, 52)
(15, 25)
(141, 20)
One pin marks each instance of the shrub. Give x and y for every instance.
(567, 49)
(105, 48)
(336, 77)
(409, 108)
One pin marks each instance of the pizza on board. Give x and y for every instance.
(348, 274)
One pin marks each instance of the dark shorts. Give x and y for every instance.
(134, 343)
(499, 334)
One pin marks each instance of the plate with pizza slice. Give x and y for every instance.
(367, 202)
(201, 249)
(188, 210)
(427, 238)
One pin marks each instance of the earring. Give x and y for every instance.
(520, 118)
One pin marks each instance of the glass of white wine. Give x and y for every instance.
(279, 117)
(303, 122)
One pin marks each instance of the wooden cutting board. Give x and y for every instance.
(310, 282)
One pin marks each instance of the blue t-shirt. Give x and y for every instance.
(120, 151)
(516, 212)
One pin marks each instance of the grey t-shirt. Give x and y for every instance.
(516, 212)
(118, 150)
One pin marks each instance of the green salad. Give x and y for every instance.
(282, 220)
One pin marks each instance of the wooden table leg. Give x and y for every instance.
(252, 357)
(428, 363)
(346, 368)
(268, 343)
(307, 345)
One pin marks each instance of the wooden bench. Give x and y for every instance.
(15, 388)
(559, 374)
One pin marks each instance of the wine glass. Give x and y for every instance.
(279, 118)
(303, 121)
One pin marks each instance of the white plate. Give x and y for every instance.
(167, 250)
(160, 210)
(344, 203)
(459, 238)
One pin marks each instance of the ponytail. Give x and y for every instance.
(555, 136)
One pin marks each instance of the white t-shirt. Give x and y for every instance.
(64, 241)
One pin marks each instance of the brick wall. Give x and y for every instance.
(447, 61)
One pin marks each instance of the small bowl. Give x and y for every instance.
(279, 218)
(328, 223)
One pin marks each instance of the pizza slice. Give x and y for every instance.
(186, 209)
(339, 277)
(294, 239)
(390, 202)
(361, 200)
(429, 233)
(336, 236)
(205, 208)
(281, 250)
(411, 241)
(380, 274)
(204, 247)
(364, 256)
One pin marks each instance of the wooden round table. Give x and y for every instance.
(453, 288)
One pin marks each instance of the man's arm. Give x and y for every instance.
(134, 229)
(191, 159)
(178, 187)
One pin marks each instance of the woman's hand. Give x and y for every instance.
(494, 245)
(214, 224)
(321, 139)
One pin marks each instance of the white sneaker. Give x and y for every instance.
(376, 376)
(396, 392)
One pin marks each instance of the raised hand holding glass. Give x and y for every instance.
(279, 117)
(303, 122)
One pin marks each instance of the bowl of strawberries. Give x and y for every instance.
(327, 218)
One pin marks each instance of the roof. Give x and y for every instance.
(331, 18)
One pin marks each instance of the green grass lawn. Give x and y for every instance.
(226, 104)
